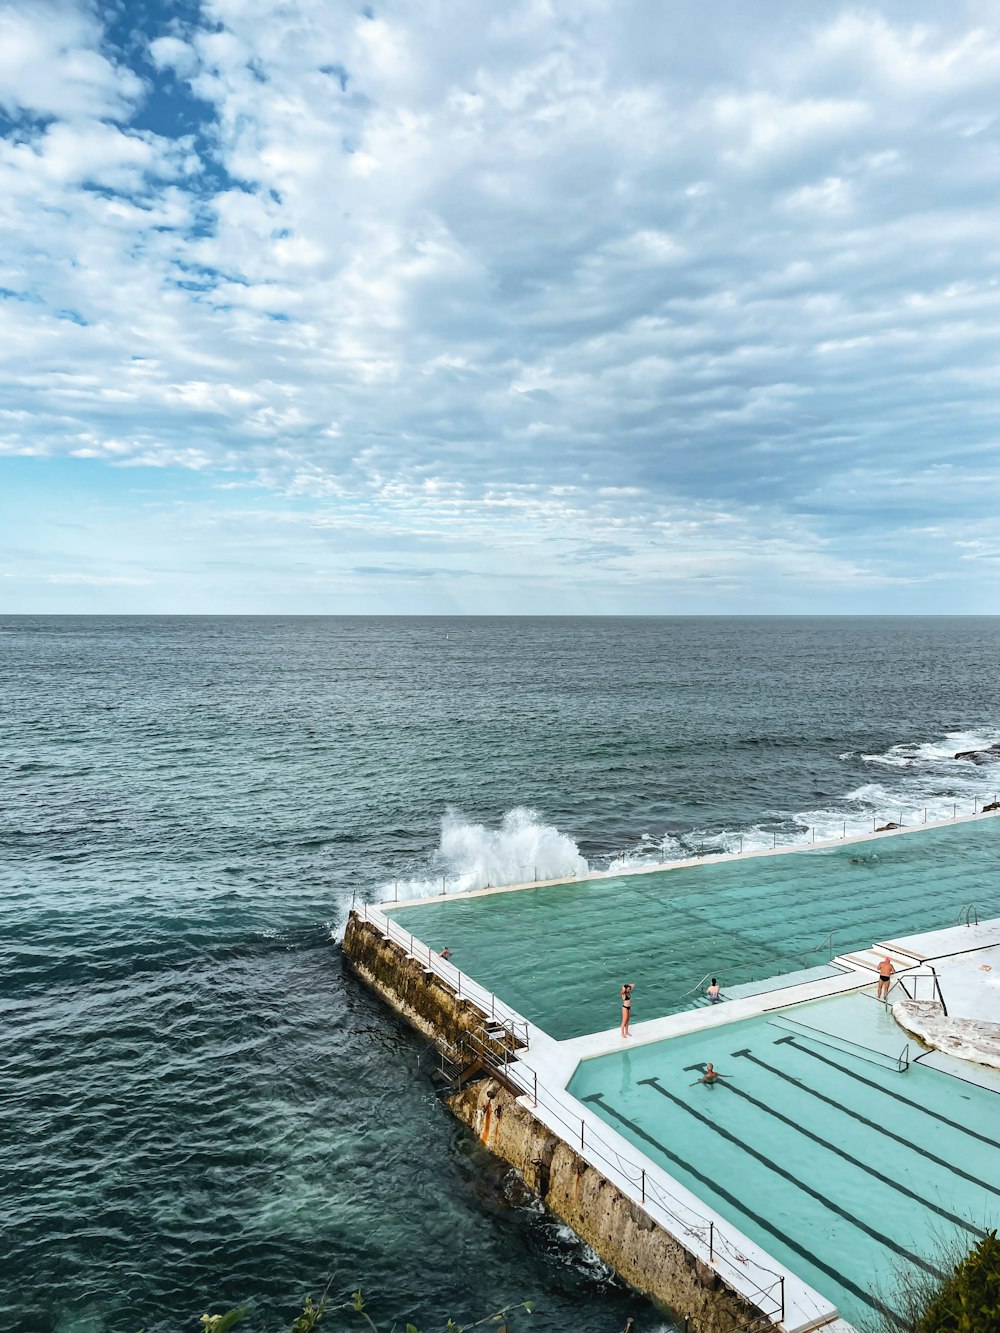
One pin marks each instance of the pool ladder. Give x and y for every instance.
(969, 916)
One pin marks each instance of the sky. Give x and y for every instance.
(604, 306)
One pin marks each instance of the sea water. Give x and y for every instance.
(201, 1106)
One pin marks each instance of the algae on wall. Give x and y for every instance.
(423, 999)
(643, 1254)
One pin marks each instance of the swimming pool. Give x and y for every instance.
(558, 954)
(858, 1175)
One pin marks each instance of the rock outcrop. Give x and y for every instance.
(966, 1038)
(990, 755)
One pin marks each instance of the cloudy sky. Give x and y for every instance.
(596, 306)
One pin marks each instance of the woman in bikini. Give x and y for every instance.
(626, 994)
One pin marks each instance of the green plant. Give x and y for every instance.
(969, 1300)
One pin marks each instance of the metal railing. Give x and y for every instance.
(968, 915)
(916, 977)
(767, 1288)
(463, 986)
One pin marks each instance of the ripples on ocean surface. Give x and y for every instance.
(201, 1106)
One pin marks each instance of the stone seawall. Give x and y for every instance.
(422, 998)
(618, 1230)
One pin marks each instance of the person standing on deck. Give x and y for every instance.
(626, 994)
(885, 971)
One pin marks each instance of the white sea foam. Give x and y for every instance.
(472, 856)
(921, 781)
(649, 851)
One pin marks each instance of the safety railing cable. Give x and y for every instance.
(767, 1285)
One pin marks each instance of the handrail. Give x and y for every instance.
(653, 1197)
(971, 910)
(698, 985)
(937, 987)
(915, 977)
(826, 945)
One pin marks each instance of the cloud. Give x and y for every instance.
(645, 296)
(51, 64)
(97, 580)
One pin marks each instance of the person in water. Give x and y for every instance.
(626, 994)
(885, 971)
(713, 992)
(710, 1076)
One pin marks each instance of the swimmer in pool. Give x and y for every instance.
(710, 1076)
(713, 992)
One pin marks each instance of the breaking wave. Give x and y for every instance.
(473, 856)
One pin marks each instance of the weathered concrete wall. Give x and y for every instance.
(617, 1229)
(423, 999)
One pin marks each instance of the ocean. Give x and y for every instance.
(201, 1106)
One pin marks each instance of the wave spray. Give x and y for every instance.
(473, 856)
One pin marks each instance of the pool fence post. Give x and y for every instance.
(536, 874)
(444, 888)
(534, 1075)
(711, 1242)
(925, 814)
(782, 1297)
(874, 822)
(354, 899)
(814, 834)
(900, 819)
(954, 811)
(493, 1005)
(428, 957)
(459, 985)
(581, 1133)
(412, 950)
(644, 1184)
(741, 844)
(774, 841)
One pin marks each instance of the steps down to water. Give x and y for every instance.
(867, 960)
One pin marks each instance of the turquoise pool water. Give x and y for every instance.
(559, 954)
(857, 1176)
